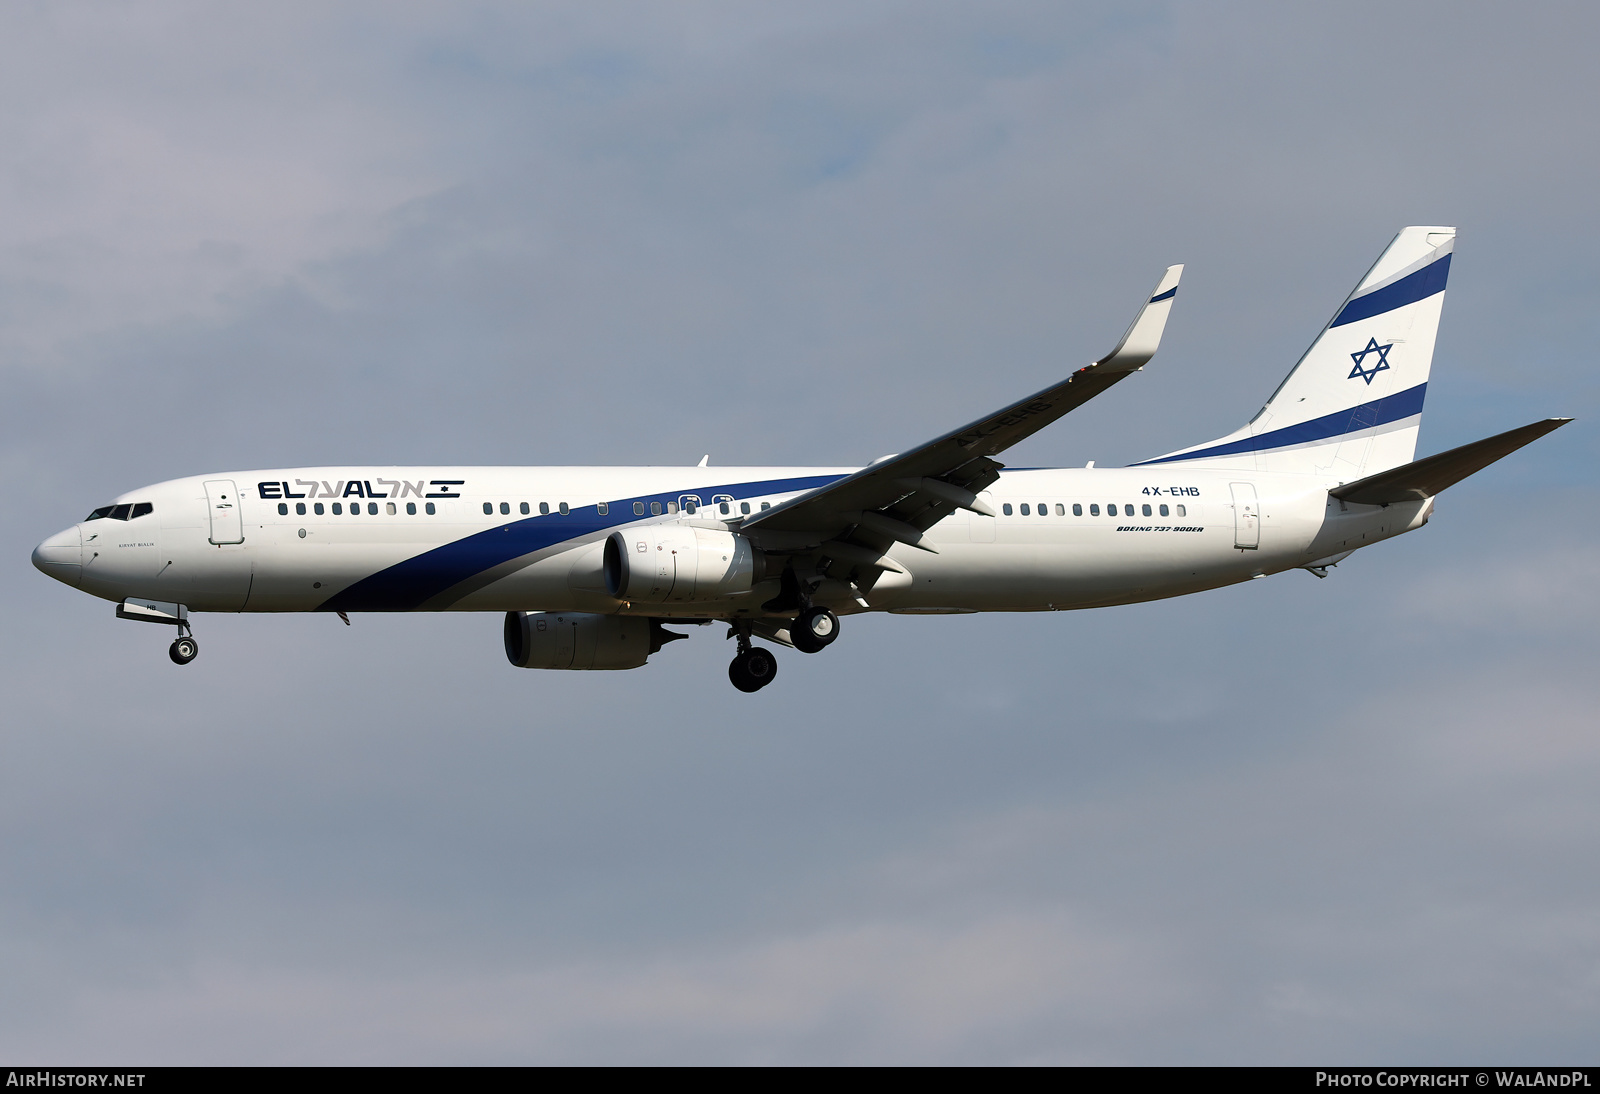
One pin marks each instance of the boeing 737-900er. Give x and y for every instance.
(588, 563)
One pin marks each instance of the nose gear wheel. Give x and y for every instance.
(183, 650)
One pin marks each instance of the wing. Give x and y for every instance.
(897, 498)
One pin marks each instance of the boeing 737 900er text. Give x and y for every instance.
(588, 563)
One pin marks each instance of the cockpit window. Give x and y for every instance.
(126, 511)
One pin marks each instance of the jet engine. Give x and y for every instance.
(667, 563)
(579, 640)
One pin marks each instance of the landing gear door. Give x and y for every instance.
(1246, 516)
(227, 523)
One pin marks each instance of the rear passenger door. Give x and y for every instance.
(1246, 516)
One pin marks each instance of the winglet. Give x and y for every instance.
(1139, 344)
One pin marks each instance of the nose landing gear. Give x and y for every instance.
(183, 649)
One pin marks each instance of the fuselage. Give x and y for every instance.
(532, 538)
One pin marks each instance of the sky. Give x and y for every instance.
(1292, 822)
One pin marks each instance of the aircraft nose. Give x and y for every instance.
(61, 556)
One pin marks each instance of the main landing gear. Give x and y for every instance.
(813, 629)
(753, 667)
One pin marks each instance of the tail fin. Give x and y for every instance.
(1352, 405)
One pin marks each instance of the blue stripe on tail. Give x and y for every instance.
(1400, 405)
(1408, 290)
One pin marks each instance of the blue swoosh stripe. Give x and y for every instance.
(1402, 404)
(406, 585)
(1168, 295)
(1408, 290)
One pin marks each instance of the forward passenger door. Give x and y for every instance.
(227, 522)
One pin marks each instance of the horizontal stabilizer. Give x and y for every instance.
(1426, 477)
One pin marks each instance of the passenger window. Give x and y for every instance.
(1061, 510)
(372, 508)
(564, 509)
(1006, 508)
(766, 505)
(724, 508)
(638, 508)
(316, 507)
(523, 508)
(1094, 510)
(283, 509)
(505, 509)
(389, 507)
(603, 508)
(141, 509)
(411, 508)
(672, 507)
(299, 508)
(655, 509)
(488, 508)
(1077, 509)
(744, 507)
(430, 509)
(544, 509)
(1182, 512)
(1163, 510)
(338, 510)
(691, 506)
(1025, 509)
(1145, 509)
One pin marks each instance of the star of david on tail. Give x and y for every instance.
(1359, 358)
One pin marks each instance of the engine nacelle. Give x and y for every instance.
(667, 563)
(579, 640)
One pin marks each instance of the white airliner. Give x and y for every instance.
(587, 563)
